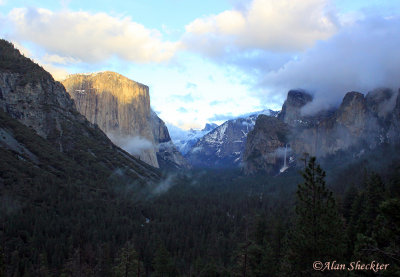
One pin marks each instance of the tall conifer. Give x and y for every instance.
(317, 232)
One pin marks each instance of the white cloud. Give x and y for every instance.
(57, 72)
(286, 25)
(134, 145)
(361, 57)
(56, 59)
(90, 37)
(228, 23)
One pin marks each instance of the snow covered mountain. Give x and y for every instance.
(224, 145)
(185, 140)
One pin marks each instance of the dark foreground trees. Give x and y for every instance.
(223, 225)
(318, 228)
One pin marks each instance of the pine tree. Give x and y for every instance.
(261, 256)
(2, 262)
(163, 264)
(211, 270)
(128, 264)
(348, 201)
(43, 269)
(260, 260)
(317, 233)
(255, 257)
(375, 195)
(387, 234)
(383, 244)
(364, 219)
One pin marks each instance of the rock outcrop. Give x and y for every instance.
(265, 145)
(221, 147)
(393, 117)
(224, 145)
(168, 155)
(351, 124)
(30, 95)
(385, 105)
(42, 105)
(360, 122)
(291, 112)
(353, 114)
(121, 108)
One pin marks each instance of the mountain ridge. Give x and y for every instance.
(360, 123)
(30, 95)
(224, 145)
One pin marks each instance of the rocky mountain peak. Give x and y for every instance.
(30, 95)
(291, 109)
(160, 131)
(358, 124)
(121, 108)
(119, 86)
(168, 156)
(353, 98)
(261, 152)
(353, 113)
(224, 145)
(209, 127)
(298, 98)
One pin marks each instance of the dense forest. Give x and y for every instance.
(205, 223)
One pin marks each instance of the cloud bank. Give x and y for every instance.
(279, 26)
(89, 37)
(360, 57)
(276, 45)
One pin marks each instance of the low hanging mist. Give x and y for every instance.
(134, 145)
(361, 57)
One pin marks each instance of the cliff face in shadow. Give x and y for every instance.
(361, 122)
(168, 155)
(263, 144)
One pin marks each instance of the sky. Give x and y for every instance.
(212, 60)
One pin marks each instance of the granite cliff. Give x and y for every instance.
(291, 109)
(168, 156)
(360, 123)
(30, 95)
(121, 108)
(265, 145)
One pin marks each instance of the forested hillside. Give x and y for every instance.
(210, 223)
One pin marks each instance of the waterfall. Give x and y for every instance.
(284, 161)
